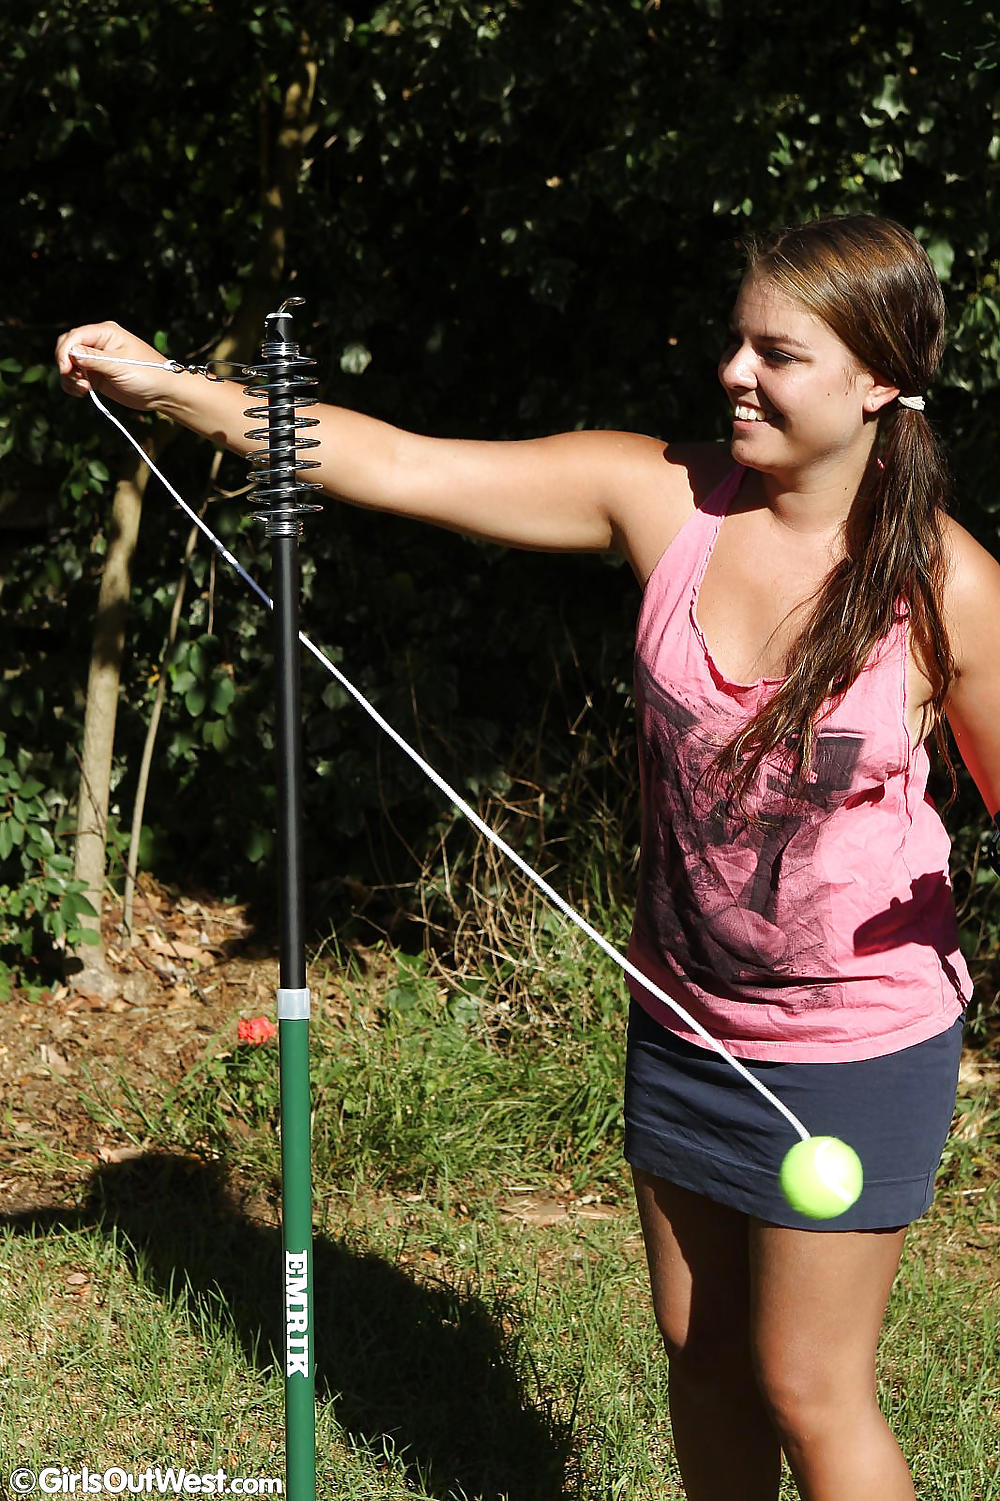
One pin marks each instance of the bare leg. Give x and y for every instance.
(817, 1305)
(699, 1269)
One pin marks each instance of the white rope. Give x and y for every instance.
(459, 802)
(113, 359)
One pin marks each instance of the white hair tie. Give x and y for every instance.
(914, 403)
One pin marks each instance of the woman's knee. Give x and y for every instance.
(702, 1353)
(808, 1401)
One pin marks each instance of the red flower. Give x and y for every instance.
(256, 1029)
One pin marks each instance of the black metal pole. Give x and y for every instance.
(286, 584)
(277, 492)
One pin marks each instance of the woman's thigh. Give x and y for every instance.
(699, 1270)
(817, 1303)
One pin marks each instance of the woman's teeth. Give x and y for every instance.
(749, 414)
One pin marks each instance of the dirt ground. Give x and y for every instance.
(68, 1056)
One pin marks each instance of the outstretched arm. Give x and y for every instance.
(574, 492)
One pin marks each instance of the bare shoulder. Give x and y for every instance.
(971, 568)
(972, 615)
(971, 594)
(656, 489)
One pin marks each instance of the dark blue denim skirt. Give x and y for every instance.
(691, 1119)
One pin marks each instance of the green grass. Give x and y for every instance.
(942, 1381)
(414, 1083)
(469, 1345)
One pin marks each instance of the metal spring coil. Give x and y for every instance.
(276, 489)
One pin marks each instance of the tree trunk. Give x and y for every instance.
(102, 699)
(282, 146)
(280, 164)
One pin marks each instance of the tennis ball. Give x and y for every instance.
(821, 1177)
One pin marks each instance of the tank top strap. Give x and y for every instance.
(685, 559)
(717, 503)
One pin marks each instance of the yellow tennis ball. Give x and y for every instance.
(822, 1177)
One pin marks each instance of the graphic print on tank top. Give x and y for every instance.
(736, 902)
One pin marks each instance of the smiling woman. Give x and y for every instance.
(809, 615)
(832, 323)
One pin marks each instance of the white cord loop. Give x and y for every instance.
(913, 403)
(459, 802)
(176, 367)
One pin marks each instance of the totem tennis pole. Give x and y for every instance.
(277, 496)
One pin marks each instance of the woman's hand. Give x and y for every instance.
(138, 387)
(215, 409)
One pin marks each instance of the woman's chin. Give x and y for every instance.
(747, 449)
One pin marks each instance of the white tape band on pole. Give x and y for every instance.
(293, 1005)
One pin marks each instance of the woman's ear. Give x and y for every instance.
(878, 394)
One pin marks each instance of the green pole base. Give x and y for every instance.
(296, 1217)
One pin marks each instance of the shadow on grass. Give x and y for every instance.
(427, 1368)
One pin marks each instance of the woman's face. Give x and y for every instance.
(802, 405)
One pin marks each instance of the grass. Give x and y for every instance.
(483, 1322)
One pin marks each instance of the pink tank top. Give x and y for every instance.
(823, 929)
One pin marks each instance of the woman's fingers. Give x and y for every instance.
(86, 358)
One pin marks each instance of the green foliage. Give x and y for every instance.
(511, 218)
(40, 902)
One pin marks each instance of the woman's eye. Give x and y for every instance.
(778, 357)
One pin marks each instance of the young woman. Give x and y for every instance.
(809, 617)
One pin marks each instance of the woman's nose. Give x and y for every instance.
(736, 368)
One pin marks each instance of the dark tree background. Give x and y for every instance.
(506, 219)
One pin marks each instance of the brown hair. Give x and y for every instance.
(870, 281)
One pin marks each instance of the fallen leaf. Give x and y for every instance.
(119, 1154)
(175, 948)
(537, 1211)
